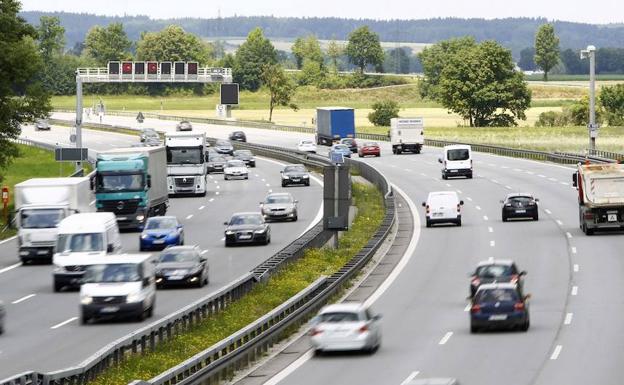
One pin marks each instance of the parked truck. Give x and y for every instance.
(40, 204)
(186, 163)
(132, 184)
(333, 124)
(407, 135)
(600, 196)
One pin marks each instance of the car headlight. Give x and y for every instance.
(59, 268)
(86, 299)
(285, 177)
(229, 232)
(134, 297)
(144, 236)
(306, 176)
(259, 231)
(140, 217)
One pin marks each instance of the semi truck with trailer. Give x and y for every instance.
(333, 124)
(132, 184)
(407, 135)
(186, 163)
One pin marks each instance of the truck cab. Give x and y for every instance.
(186, 163)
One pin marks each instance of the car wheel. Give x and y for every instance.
(58, 287)
(525, 326)
(504, 218)
(458, 222)
(141, 248)
(473, 329)
(444, 176)
(307, 183)
(228, 244)
(182, 241)
(394, 151)
(536, 217)
(294, 219)
(84, 319)
(318, 352)
(283, 184)
(225, 177)
(469, 176)
(428, 223)
(246, 176)
(378, 155)
(150, 312)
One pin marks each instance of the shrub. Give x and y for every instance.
(383, 112)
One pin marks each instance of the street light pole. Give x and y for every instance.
(590, 53)
(78, 116)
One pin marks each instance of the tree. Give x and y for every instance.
(481, 84)
(281, 88)
(526, 61)
(334, 51)
(307, 48)
(364, 49)
(22, 98)
(383, 112)
(51, 37)
(173, 44)
(297, 51)
(572, 62)
(251, 57)
(105, 44)
(546, 49)
(612, 100)
(311, 73)
(397, 60)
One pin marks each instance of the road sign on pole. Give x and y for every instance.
(71, 154)
(5, 203)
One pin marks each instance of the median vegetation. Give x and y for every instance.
(263, 298)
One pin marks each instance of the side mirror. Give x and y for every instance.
(461, 203)
(575, 179)
(523, 272)
(296, 201)
(439, 160)
(376, 317)
(225, 223)
(502, 201)
(149, 181)
(536, 199)
(202, 260)
(528, 296)
(110, 248)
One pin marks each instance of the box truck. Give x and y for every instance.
(333, 124)
(407, 135)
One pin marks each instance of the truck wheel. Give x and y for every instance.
(428, 223)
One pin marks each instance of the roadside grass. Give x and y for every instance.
(263, 298)
(565, 77)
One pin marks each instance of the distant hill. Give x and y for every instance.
(514, 33)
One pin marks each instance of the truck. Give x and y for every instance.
(600, 196)
(132, 184)
(40, 204)
(186, 163)
(407, 135)
(333, 124)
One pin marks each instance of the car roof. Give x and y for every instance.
(83, 223)
(442, 193)
(279, 194)
(183, 247)
(492, 286)
(513, 195)
(507, 262)
(343, 307)
(247, 213)
(294, 164)
(110, 259)
(162, 217)
(457, 147)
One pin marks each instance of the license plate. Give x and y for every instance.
(498, 317)
(296, 179)
(437, 214)
(612, 218)
(158, 241)
(175, 277)
(109, 309)
(41, 252)
(520, 211)
(245, 237)
(454, 170)
(121, 218)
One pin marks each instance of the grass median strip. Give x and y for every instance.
(263, 298)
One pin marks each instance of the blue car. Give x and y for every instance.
(160, 232)
(499, 305)
(342, 149)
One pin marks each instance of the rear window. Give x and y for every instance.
(442, 199)
(458, 154)
(495, 271)
(523, 200)
(497, 295)
(339, 317)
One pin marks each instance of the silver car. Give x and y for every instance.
(345, 326)
(42, 124)
(279, 206)
(184, 125)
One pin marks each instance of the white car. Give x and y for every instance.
(235, 169)
(307, 146)
(345, 326)
(443, 207)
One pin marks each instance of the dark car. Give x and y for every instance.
(279, 206)
(246, 156)
(160, 232)
(246, 228)
(2, 315)
(351, 143)
(224, 147)
(148, 133)
(181, 265)
(499, 305)
(369, 149)
(238, 136)
(295, 174)
(496, 271)
(42, 124)
(184, 125)
(520, 205)
(216, 162)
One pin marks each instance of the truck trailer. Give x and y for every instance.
(132, 184)
(186, 163)
(407, 135)
(333, 124)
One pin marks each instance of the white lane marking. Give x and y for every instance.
(410, 378)
(202, 207)
(559, 222)
(204, 251)
(548, 211)
(217, 193)
(268, 185)
(211, 199)
(563, 183)
(492, 243)
(8, 239)
(223, 239)
(448, 185)
(459, 191)
(542, 176)
(491, 259)
(569, 235)
(445, 339)
(576, 268)
(485, 218)
(478, 207)
(556, 352)
(573, 250)
(72, 319)
(270, 191)
(29, 296)
(210, 176)
(494, 181)
(218, 186)
(469, 199)
(92, 203)
(10, 267)
(189, 216)
(530, 173)
(264, 180)
(276, 379)
(508, 187)
(553, 179)
(517, 170)
(504, 167)
(408, 170)
(467, 308)
(490, 230)
(568, 319)
(257, 176)
(423, 174)
(574, 290)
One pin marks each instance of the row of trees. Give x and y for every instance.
(608, 61)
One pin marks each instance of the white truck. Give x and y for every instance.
(186, 163)
(40, 204)
(407, 135)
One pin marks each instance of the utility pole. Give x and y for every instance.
(590, 53)
(78, 116)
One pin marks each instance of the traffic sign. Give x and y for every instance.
(593, 126)
(5, 195)
(71, 154)
(336, 157)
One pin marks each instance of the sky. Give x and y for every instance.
(595, 11)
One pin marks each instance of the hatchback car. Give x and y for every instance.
(345, 326)
(235, 169)
(279, 206)
(184, 125)
(443, 207)
(519, 205)
(351, 143)
(246, 156)
(295, 174)
(224, 147)
(341, 149)
(246, 228)
(369, 149)
(181, 265)
(307, 146)
(148, 133)
(496, 271)
(160, 232)
(42, 124)
(238, 136)
(216, 162)
(498, 305)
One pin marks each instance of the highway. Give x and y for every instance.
(42, 329)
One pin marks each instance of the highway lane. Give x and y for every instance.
(32, 341)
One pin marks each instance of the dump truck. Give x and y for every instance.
(333, 124)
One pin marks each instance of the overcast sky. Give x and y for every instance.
(595, 11)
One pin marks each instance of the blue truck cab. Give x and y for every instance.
(333, 124)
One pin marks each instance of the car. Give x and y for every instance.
(341, 149)
(520, 205)
(152, 142)
(351, 143)
(224, 147)
(307, 146)
(247, 228)
(181, 265)
(238, 136)
(443, 207)
(498, 305)
(160, 232)
(369, 148)
(246, 156)
(42, 124)
(235, 169)
(345, 326)
(148, 133)
(2, 316)
(216, 162)
(278, 206)
(295, 174)
(184, 125)
(496, 271)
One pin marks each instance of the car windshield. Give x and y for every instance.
(184, 155)
(347, 141)
(250, 219)
(370, 144)
(86, 242)
(279, 199)
(168, 256)
(497, 295)
(458, 154)
(217, 159)
(116, 272)
(341, 147)
(235, 163)
(40, 218)
(120, 182)
(335, 317)
(495, 271)
(243, 152)
(294, 169)
(161, 223)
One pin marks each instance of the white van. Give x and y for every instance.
(118, 286)
(443, 207)
(80, 238)
(457, 161)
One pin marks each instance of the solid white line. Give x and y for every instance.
(445, 339)
(290, 368)
(556, 352)
(485, 218)
(490, 230)
(548, 211)
(478, 207)
(202, 207)
(574, 290)
(492, 243)
(559, 222)
(211, 199)
(8, 239)
(573, 250)
(568, 234)
(576, 268)
(568, 319)
(410, 378)
(29, 296)
(64, 323)
(10, 267)
(189, 216)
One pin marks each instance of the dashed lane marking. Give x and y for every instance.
(446, 338)
(72, 319)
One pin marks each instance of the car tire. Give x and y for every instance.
(307, 183)
(283, 184)
(428, 223)
(150, 312)
(57, 287)
(525, 326)
(267, 240)
(246, 176)
(469, 176)
(225, 177)
(536, 217)
(84, 319)
(458, 222)
(473, 329)
(444, 176)
(504, 218)
(182, 241)
(294, 219)
(228, 244)
(378, 155)
(318, 352)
